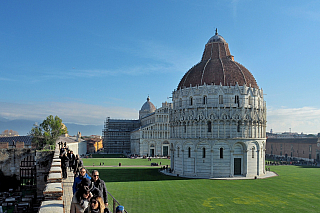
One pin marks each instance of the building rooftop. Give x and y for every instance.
(217, 66)
(26, 139)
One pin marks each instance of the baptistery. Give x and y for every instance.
(218, 120)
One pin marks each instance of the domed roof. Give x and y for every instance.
(216, 38)
(217, 66)
(148, 106)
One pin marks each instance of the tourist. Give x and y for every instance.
(64, 164)
(95, 205)
(100, 184)
(77, 165)
(71, 159)
(119, 209)
(78, 179)
(80, 201)
(88, 185)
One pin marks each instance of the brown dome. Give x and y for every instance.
(217, 67)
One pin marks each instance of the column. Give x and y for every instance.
(231, 163)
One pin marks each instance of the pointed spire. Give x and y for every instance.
(216, 31)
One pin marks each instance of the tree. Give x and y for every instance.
(9, 132)
(48, 131)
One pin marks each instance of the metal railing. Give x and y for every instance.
(114, 205)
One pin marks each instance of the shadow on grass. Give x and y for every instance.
(125, 174)
(308, 167)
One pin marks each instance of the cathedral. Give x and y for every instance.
(218, 120)
(147, 136)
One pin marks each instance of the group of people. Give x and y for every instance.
(89, 191)
(90, 194)
(68, 159)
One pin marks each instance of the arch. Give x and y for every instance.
(219, 143)
(204, 99)
(255, 143)
(187, 143)
(236, 117)
(212, 116)
(152, 150)
(238, 148)
(202, 144)
(225, 116)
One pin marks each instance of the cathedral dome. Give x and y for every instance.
(148, 106)
(217, 66)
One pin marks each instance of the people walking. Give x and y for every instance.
(95, 205)
(64, 164)
(78, 179)
(78, 164)
(80, 201)
(100, 184)
(72, 158)
(88, 185)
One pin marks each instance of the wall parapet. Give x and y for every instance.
(53, 191)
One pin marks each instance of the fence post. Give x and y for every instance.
(114, 206)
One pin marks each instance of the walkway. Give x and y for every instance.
(266, 175)
(67, 191)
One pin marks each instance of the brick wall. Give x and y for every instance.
(4, 145)
(19, 145)
(300, 148)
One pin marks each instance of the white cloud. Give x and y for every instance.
(305, 119)
(69, 112)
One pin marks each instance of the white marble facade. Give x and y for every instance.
(152, 138)
(218, 131)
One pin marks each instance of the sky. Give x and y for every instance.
(88, 60)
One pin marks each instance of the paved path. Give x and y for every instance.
(67, 191)
(266, 175)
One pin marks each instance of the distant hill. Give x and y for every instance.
(23, 127)
(84, 129)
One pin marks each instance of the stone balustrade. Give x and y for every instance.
(53, 192)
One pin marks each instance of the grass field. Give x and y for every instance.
(123, 161)
(143, 189)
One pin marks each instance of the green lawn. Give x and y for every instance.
(108, 155)
(145, 190)
(123, 161)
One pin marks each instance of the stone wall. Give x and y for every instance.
(10, 160)
(10, 163)
(44, 160)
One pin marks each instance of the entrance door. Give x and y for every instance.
(165, 151)
(151, 152)
(237, 166)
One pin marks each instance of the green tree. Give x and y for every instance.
(48, 131)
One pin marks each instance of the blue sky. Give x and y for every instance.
(84, 61)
